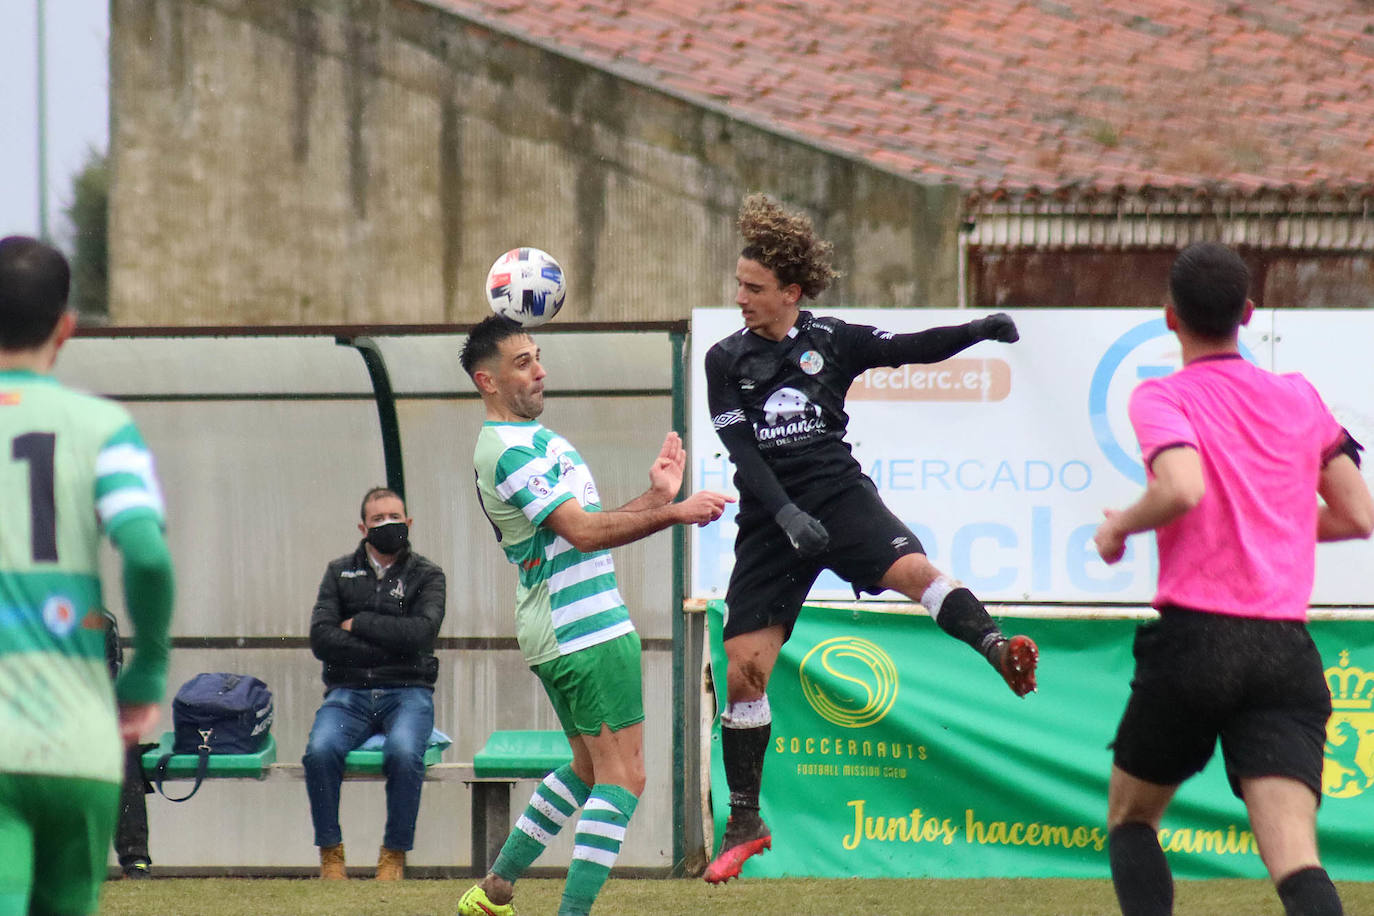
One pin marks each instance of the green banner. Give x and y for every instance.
(898, 752)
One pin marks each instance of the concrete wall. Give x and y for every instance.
(346, 162)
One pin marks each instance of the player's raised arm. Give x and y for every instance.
(872, 347)
(588, 531)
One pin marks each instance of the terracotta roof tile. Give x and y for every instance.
(1012, 94)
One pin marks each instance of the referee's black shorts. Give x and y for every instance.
(770, 579)
(1258, 685)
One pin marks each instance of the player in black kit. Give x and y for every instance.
(776, 391)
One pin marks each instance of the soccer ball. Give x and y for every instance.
(526, 285)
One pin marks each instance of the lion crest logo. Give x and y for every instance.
(1349, 766)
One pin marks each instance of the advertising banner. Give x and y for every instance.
(897, 751)
(1002, 459)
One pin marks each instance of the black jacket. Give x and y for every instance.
(395, 622)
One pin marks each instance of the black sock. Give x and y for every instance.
(1309, 892)
(963, 616)
(743, 750)
(1140, 873)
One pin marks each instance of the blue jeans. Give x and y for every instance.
(348, 717)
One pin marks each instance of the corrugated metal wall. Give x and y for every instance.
(1104, 250)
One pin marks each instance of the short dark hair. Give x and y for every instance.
(484, 341)
(34, 283)
(377, 493)
(1209, 284)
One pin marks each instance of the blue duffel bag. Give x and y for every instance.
(217, 714)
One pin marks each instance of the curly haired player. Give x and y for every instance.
(776, 390)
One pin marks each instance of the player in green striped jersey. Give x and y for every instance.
(71, 466)
(571, 623)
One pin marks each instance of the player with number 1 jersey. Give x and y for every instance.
(72, 466)
(69, 453)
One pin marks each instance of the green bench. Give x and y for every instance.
(367, 761)
(362, 762)
(220, 766)
(217, 766)
(506, 757)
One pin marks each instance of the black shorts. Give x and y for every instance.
(770, 579)
(1258, 685)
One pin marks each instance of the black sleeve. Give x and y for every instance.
(1346, 445)
(727, 415)
(866, 346)
(414, 632)
(330, 642)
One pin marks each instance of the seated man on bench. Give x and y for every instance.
(374, 626)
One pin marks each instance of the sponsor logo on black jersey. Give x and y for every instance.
(789, 416)
(788, 404)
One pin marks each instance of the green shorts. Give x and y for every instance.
(600, 685)
(55, 834)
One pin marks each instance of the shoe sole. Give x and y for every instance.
(1021, 660)
(482, 909)
(727, 865)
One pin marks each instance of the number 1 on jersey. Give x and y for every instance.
(38, 450)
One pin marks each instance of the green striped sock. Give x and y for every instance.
(553, 802)
(600, 831)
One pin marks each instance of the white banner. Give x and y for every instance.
(1002, 459)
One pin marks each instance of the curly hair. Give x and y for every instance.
(786, 243)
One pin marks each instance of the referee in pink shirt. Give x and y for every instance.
(1234, 457)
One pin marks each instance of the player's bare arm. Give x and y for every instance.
(1347, 510)
(1177, 486)
(588, 531)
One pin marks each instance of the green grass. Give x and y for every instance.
(628, 897)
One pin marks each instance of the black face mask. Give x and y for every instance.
(389, 537)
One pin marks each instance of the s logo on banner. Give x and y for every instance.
(849, 681)
(1349, 766)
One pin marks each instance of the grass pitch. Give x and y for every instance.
(693, 897)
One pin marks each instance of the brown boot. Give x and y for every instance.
(332, 863)
(391, 864)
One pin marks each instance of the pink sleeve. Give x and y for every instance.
(1330, 433)
(1159, 422)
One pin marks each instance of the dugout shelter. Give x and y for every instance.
(265, 441)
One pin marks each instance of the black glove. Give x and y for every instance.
(995, 327)
(807, 535)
